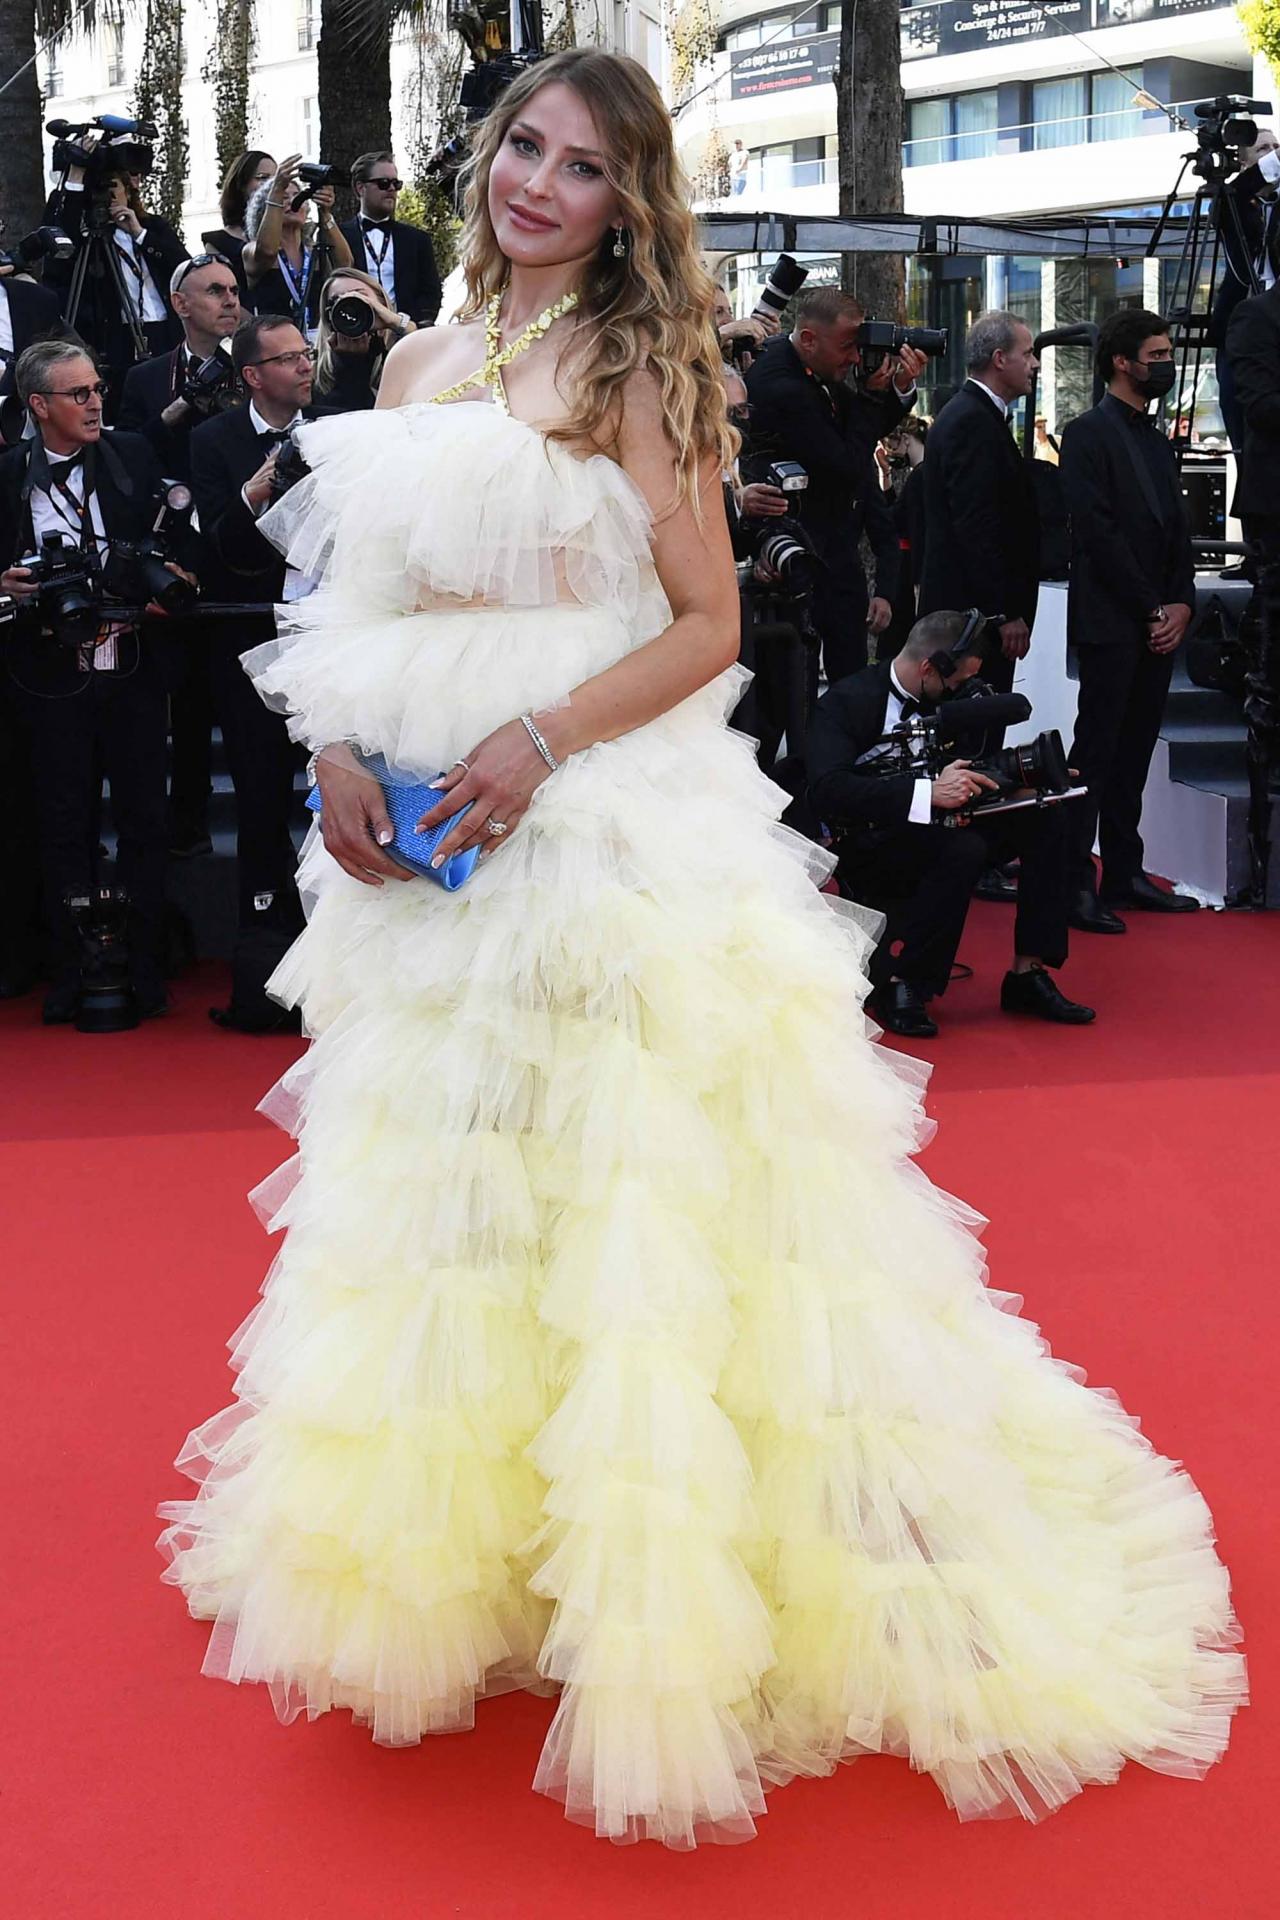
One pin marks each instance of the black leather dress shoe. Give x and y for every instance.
(1037, 993)
(1088, 915)
(899, 1008)
(62, 1002)
(1144, 896)
(266, 1018)
(998, 884)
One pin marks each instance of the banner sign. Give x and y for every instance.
(970, 26)
(783, 66)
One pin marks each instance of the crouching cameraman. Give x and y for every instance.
(78, 507)
(910, 833)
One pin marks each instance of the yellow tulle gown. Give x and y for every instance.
(615, 1347)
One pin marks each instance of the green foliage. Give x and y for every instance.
(226, 73)
(1260, 20)
(693, 32)
(158, 97)
(428, 206)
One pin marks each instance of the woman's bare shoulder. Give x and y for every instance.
(423, 362)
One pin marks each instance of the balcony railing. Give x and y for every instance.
(780, 175)
(1034, 136)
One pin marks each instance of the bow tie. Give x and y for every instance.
(275, 437)
(911, 707)
(374, 226)
(60, 470)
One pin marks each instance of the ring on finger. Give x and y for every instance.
(460, 762)
(496, 827)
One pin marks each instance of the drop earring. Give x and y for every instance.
(619, 244)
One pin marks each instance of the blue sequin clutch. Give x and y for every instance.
(407, 799)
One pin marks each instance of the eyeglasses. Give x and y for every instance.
(393, 186)
(79, 394)
(294, 359)
(198, 260)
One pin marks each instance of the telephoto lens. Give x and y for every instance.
(886, 336)
(351, 316)
(782, 282)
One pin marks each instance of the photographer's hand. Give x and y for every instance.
(760, 501)
(958, 784)
(257, 489)
(911, 364)
(322, 201)
(1166, 634)
(127, 220)
(879, 614)
(1015, 639)
(177, 413)
(17, 582)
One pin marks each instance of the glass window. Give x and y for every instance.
(1058, 112)
(1114, 115)
(52, 76)
(115, 55)
(748, 36)
(975, 125)
(929, 122)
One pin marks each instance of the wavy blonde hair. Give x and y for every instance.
(653, 307)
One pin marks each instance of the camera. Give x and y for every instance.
(212, 387)
(46, 243)
(290, 467)
(135, 571)
(1226, 125)
(782, 282)
(928, 742)
(313, 174)
(65, 576)
(126, 146)
(352, 316)
(886, 336)
(108, 1003)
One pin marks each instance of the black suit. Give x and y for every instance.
(1253, 342)
(981, 528)
(80, 726)
(417, 278)
(100, 319)
(1130, 553)
(239, 565)
(832, 432)
(1249, 245)
(922, 876)
(33, 311)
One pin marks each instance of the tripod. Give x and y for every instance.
(97, 245)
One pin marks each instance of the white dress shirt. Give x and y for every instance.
(920, 813)
(6, 330)
(997, 400)
(144, 296)
(381, 265)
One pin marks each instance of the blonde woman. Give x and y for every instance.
(286, 254)
(349, 364)
(615, 1349)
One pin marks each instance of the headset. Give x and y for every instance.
(946, 661)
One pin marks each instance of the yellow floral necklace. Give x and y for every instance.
(496, 357)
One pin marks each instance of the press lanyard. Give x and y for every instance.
(129, 255)
(379, 257)
(299, 287)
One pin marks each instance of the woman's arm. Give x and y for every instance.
(330, 232)
(260, 253)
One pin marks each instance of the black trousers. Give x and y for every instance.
(1123, 689)
(922, 879)
(263, 761)
(114, 725)
(190, 729)
(840, 616)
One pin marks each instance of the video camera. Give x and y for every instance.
(77, 590)
(45, 243)
(928, 742)
(126, 145)
(1226, 125)
(313, 174)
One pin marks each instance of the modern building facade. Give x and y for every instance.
(1013, 108)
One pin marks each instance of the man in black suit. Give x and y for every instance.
(400, 257)
(981, 534)
(92, 701)
(905, 845)
(1250, 239)
(802, 409)
(1133, 586)
(27, 310)
(164, 398)
(233, 461)
(1253, 343)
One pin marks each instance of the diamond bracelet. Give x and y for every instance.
(526, 721)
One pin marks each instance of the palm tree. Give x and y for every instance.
(869, 119)
(353, 76)
(24, 25)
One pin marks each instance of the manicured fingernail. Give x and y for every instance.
(385, 836)
(433, 784)
(437, 860)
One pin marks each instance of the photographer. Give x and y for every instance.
(357, 331)
(233, 463)
(287, 258)
(102, 200)
(27, 311)
(1250, 241)
(165, 398)
(1132, 589)
(740, 340)
(896, 853)
(802, 410)
(251, 171)
(92, 692)
(400, 258)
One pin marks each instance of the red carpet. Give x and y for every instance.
(1130, 1172)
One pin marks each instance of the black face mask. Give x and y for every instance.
(1158, 378)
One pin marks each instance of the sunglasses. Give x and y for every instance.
(294, 359)
(79, 394)
(393, 186)
(198, 260)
